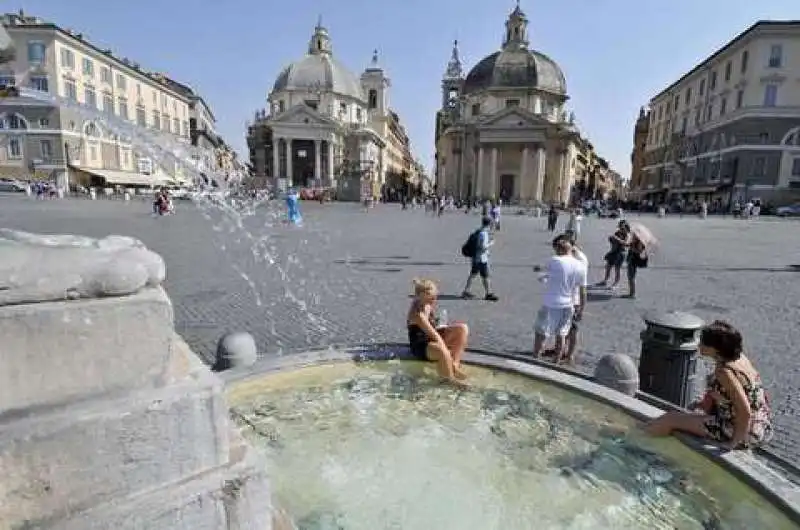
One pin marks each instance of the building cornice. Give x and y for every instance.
(90, 49)
(759, 29)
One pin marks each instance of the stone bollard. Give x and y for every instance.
(618, 372)
(127, 196)
(662, 211)
(93, 194)
(668, 363)
(235, 350)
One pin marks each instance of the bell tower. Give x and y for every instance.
(516, 30)
(452, 81)
(376, 87)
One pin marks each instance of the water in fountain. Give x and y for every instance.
(383, 445)
(238, 220)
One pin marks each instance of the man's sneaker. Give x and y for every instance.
(467, 295)
(492, 297)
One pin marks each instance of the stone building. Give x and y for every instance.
(640, 134)
(503, 131)
(48, 138)
(326, 127)
(729, 129)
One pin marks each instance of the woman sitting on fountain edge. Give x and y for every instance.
(428, 341)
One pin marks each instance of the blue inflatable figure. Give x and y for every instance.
(293, 207)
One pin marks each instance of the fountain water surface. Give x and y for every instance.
(383, 445)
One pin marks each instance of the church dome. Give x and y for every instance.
(319, 70)
(520, 68)
(516, 66)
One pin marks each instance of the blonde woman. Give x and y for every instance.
(428, 341)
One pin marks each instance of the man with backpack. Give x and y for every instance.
(477, 249)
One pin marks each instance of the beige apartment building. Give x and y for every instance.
(51, 140)
(729, 129)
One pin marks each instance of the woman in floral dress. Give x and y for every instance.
(735, 408)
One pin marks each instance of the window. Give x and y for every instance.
(39, 82)
(141, 119)
(156, 119)
(676, 103)
(108, 104)
(70, 90)
(174, 106)
(282, 106)
(44, 123)
(688, 96)
(122, 103)
(759, 166)
(138, 89)
(512, 103)
(176, 125)
(775, 56)
(144, 165)
(358, 114)
(122, 82)
(185, 128)
(373, 99)
(89, 97)
(660, 112)
(93, 152)
(46, 149)
(712, 85)
(723, 106)
(770, 95)
(684, 124)
(36, 53)
(67, 58)
(105, 74)
(709, 111)
(702, 87)
(739, 99)
(728, 68)
(155, 98)
(166, 122)
(8, 80)
(13, 121)
(87, 67)
(476, 109)
(697, 118)
(163, 101)
(745, 58)
(14, 148)
(796, 167)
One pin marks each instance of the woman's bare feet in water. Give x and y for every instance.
(459, 373)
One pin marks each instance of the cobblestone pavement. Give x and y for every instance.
(346, 275)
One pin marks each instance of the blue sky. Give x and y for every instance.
(616, 54)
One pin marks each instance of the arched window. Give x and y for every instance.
(373, 99)
(13, 121)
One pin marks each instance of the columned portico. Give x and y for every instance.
(540, 172)
(276, 157)
(479, 181)
(331, 154)
(492, 192)
(317, 159)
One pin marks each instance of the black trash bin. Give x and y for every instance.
(668, 364)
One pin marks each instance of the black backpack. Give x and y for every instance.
(470, 248)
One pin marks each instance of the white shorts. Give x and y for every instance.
(554, 321)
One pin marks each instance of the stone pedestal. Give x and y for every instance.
(108, 420)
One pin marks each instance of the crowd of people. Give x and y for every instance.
(734, 410)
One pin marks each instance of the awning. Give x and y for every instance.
(122, 178)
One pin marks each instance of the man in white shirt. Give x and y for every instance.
(578, 299)
(564, 276)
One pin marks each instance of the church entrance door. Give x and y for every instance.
(506, 187)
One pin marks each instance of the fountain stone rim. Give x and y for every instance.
(763, 479)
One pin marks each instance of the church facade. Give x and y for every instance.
(324, 127)
(502, 131)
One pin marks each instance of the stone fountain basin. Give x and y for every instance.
(762, 479)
